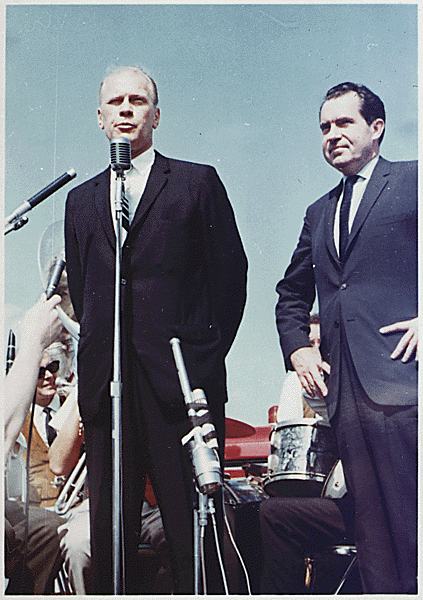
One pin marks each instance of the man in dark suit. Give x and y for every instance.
(184, 275)
(358, 248)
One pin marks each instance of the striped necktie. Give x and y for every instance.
(344, 215)
(125, 213)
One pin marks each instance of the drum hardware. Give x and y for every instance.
(255, 469)
(240, 468)
(351, 552)
(240, 490)
(340, 570)
(302, 455)
(335, 486)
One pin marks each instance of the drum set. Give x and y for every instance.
(298, 459)
(290, 458)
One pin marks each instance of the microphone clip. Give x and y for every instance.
(202, 440)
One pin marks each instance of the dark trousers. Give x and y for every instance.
(43, 557)
(291, 530)
(378, 449)
(151, 444)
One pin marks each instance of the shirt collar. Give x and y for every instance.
(367, 170)
(54, 404)
(144, 160)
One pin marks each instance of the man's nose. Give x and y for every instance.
(126, 108)
(334, 132)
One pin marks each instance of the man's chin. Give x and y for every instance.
(341, 164)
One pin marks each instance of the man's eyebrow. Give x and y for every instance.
(338, 121)
(117, 97)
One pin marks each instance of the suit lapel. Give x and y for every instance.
(103, 207)
(377, 182)
(155, 183)
(329, 217)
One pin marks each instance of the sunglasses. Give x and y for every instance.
(52, 367)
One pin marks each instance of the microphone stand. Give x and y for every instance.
(206, 467)
(15, 225)
(16, 219)
(116, 400)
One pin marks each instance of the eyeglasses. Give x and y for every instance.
(52, 367)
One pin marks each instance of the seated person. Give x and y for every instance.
(64, 454)
(32, 561)
(293, 529)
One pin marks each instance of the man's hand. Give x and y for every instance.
(309, 366)
(409, 341)
(41, 324)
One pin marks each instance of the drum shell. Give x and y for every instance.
(302, 454)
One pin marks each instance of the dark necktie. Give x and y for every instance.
(344, 215)
(125, 212)
(50, 431)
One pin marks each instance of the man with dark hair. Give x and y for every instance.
(183, 275)
(371, 106)
(358, 248)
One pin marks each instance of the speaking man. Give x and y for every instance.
(183, 275)
(358, 248)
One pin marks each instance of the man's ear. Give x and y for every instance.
(100, 118)
(378, 127)
(156, 118)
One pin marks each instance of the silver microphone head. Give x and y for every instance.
(120, 154)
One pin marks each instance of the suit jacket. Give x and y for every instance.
(376, 286)
(183, 274)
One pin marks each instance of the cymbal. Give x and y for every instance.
(235, 429)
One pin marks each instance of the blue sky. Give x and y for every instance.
(239, 88)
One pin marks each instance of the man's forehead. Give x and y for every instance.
(46, 359)
(344, 105)
(125, 82)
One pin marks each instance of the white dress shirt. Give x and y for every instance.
(135, 182)
(40, 416)
(291, 401)
(357, 194)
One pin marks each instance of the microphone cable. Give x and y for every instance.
(238, 553)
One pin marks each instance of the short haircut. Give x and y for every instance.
(140, 70)
(371, 107)
(314, 319)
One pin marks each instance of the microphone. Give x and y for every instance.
(120, 154)
(202, 439)
(45, 193)
(11, 350)
(55, 274)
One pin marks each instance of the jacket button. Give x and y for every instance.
(123, 281)
(344, 286)
(336, 324)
